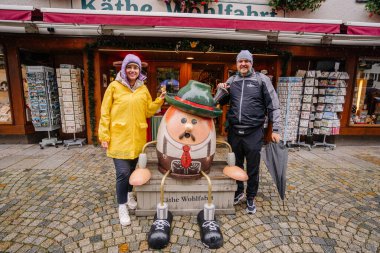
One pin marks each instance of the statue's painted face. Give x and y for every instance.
(187, 128)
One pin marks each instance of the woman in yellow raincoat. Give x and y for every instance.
(122, 128)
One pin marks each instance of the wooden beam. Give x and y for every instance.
(12, 129)
(351, 69)
(97, 90)
(86, 99)
(355, 130)
(16, 89)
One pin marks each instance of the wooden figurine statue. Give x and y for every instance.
(186, 145)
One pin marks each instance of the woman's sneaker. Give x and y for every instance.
(239, 196)
(132, 204)
(251, 207)
(125, 220)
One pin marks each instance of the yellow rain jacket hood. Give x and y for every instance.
(123, 119)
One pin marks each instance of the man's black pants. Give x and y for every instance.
(248, 146)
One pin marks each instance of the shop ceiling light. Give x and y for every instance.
(359, 94)
(189, 58)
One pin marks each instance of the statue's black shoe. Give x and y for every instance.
(211, 235)
(159, 234)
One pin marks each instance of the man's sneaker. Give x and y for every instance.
(125, 220)
(251, 207)
(132, 204)
(239, 196)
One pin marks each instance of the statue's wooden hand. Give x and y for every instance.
(141, 175)
(233, 171)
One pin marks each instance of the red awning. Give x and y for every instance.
(362, 28)
(118, 18)
(16, 13)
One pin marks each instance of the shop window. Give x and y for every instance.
(168, 78)
(5, 105)
(366, 100)
(211, 74)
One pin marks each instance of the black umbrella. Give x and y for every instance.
(275, 156)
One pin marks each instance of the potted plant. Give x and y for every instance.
(373, 7)
(296, 5)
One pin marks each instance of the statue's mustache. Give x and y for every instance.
(187, 135)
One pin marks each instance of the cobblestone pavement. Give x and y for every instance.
(59, 200)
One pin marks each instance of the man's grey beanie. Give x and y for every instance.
(244, 54)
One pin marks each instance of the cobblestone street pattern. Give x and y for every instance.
(59, 200)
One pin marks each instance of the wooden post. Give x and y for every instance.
(16, 95)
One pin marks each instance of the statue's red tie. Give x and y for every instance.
(186, 158)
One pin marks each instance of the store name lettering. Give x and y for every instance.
(186, 199)
(220, 9)
(119, 5)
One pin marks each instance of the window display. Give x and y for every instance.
(211, 74)
(168, 78)
(366, 98)
(5, 106)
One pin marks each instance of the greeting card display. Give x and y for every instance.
(329, 103)
(43, 96)
(289, 91)
(44, 102)
(70, 91)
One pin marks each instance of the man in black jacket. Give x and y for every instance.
(251, 98)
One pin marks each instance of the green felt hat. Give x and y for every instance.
(195, 98)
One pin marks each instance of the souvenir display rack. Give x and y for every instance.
(306, 107)
(289, 91)
(44, 102)
(71, 100)
(328, 105)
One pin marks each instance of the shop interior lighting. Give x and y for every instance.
(189, 58)
(359, 94)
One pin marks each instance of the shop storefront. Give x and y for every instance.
(176, 48)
